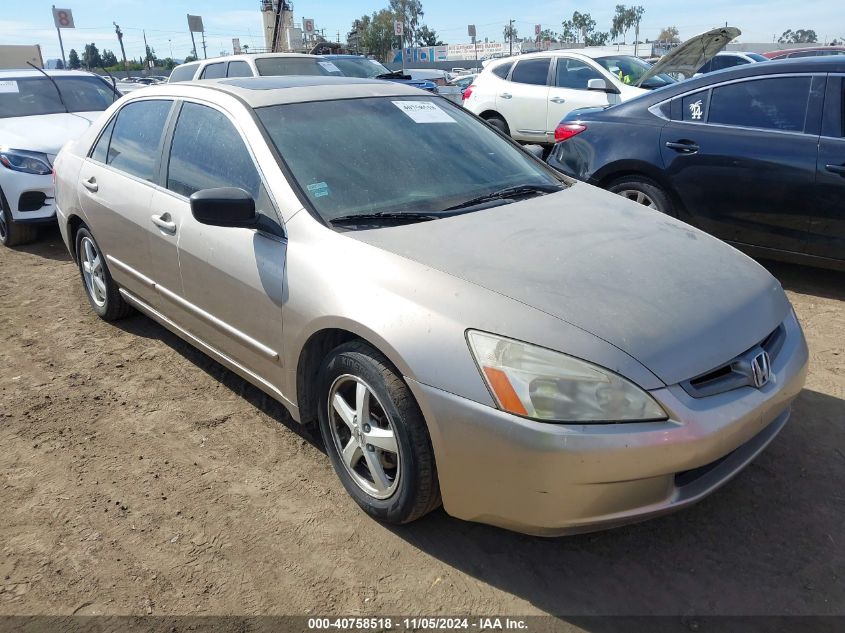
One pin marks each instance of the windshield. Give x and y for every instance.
(30, 96)
(360, 67)
(394, 155)
(280, 66)
(629, 70)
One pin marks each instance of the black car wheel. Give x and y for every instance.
(375, 435)
(14, 233)
(499, 123)
(643, 191)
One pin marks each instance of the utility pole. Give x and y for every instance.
(510, 36)
(120, 40)
(147, 55)
(204, 55)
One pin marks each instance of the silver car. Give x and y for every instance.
(464, 325)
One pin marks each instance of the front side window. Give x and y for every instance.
(630, 70)
(720, 62)
(280, 66)
(30, 96)
(531, 71)
(779, 103)
(574, 74)
(135, 139)
(351, 157)
(214, 71)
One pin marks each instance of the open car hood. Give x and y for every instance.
(692, 54)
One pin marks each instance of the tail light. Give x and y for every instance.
(467, 93)
(566, 131)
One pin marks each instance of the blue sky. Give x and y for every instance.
(165, 22)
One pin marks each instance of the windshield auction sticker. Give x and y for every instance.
(8, 86)
(330, 67)
(423, 111)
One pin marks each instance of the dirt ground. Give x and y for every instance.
(138, 476)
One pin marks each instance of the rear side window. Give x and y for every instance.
(135, 139)
(532, 71)
(239, 69)
(214, 71)
(101, 149)
(502, 70)
(575, 74)
(184, 72)
(774, 104)
(727, 61)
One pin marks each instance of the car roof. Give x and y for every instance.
(257, 92)
(31, 72)
(786, 51)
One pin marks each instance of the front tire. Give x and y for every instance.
(645, 192)
(14, 233)
(102, 292)
(375, 435)
(499, 123)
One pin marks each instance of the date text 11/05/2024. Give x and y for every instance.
(418, 623)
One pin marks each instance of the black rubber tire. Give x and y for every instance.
(499, 123)
(15, 233)
(649, 188)
(418, 491)
(115, 307)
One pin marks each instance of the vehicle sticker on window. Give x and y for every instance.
(318, 189)
(424, 111)
(695, 110)
(8, 86)
(330, 67)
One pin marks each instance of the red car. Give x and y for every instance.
(815, 51)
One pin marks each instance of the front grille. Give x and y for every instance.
(735, 373)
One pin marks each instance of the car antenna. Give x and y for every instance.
(113, 84)
(53, 81)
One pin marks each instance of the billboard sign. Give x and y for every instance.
(63, 18)
(195, 24)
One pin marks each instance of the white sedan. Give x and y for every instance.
(40, 112)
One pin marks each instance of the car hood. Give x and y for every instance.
(692, 54)
(679, 301)
(44, 132)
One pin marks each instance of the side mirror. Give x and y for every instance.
(602, 85)
(225, 206)
(535, 150)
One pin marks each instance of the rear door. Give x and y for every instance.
(827, 228)
(523, 99)
(569, 90)
(229, 290)
(115, 188)
(742, 158)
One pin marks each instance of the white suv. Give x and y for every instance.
(527, 96)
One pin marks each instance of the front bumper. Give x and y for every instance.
(21, 189)
(553, 479)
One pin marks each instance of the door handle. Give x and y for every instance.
(163, 222)
(557, 100)
(683, 147)
(91, 184)
(506, 95)
(836, 169)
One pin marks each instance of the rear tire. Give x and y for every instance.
(499, 123)
(643, 191)
(14, 233)
(102, 292)
(380, 450)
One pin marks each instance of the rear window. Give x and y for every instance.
(214, 71)
(185, 72)
(532, 71)
(779, 103)
(280, 66)
(29, 96)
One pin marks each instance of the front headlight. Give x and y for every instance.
(539, 383)
(25, 161)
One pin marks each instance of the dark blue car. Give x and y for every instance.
(754, 155)
(365, 68)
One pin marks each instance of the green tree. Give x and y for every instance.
(584, 24)
(151, 56)
(60, 65)
(354, 39)
(669, 34)
(109, 58)
(73, 60)
(379, 38)
(569, 34)
(548, 34)
(428, 37)
(800, 36)
(190, 58)
(410, 12)
(91, 56)
(510, 32)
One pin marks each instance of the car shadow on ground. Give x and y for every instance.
(48, 245)
(821, 282)
(769, 542)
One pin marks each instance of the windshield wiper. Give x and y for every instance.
(395, 74)
(383, 216)
(55, 85)
(505, 194)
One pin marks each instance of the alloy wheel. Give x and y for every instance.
(364, 437)
(639, 197)
(93, 272)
